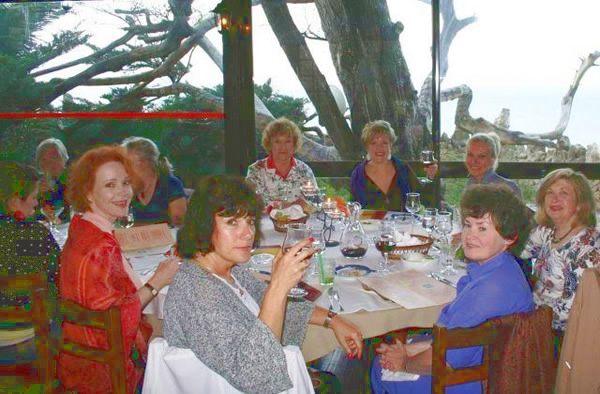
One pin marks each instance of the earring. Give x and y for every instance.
(368, 157)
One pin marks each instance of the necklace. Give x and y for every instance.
(557, 240)
(231, 283)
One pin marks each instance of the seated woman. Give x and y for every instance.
(231, 321)
(495, 228)
(382, 181)
(95, 274)
(279, 176)
(483, 150)
(51, 158)
(162, 196)
(565, 242)
(26, 246)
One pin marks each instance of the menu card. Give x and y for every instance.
(411, 289)
(144, 237)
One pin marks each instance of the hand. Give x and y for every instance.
(393, 357)
(289, 268)
(165, 273)
(431, 170)
(348, 336)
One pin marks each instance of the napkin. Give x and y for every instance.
(405, 239)
(397, 376)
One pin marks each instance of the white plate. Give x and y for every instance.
(420, 261)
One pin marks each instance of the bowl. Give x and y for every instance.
(400, 251)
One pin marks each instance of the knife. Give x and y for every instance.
(441, 279)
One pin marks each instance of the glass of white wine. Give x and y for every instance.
(427, 158)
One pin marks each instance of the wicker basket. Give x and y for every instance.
(281, 225)
(398, 251)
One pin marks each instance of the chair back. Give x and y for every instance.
(20, 317)
(108, 320)
(517, 354)
(444, 339)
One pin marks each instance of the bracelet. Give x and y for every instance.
(152, 289)
(330, 315)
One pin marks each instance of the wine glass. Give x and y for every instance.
(443, 225)
(427, 158)
(126, 221)
(413, 205)
(385, 244)
(318, 245)
(51, 211)
(428, 219)
(296, 232)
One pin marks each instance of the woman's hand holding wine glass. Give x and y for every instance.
(296, 252)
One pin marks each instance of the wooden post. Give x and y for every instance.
(435, 94)
(240, 142)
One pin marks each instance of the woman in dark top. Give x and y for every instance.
(26, 246)
(162, 197)
(382, 181)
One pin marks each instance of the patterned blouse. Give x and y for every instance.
(558, 270)
(272, 186)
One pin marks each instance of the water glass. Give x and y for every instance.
(443, 225)
(413, 205)
(428, 219)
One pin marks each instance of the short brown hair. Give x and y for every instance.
(281, 126)
(509, 214)
(375, 128)
(82, 174)
(586, 203)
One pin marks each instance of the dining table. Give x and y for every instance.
(369, 311)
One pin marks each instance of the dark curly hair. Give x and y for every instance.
(227, 196)
(509, 214)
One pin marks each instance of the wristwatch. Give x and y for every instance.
(330, 315)
(152, 289)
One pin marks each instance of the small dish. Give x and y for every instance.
(416, 258)
(352, 270)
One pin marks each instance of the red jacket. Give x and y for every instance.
(92, 274)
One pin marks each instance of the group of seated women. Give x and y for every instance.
(241, 328)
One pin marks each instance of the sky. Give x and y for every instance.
(519, 54)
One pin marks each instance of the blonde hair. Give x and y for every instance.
(281, 126)
(586, 204)
(148, 150)
(375, 128)
(493, 142)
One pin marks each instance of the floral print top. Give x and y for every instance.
(558, 270)
(272, 186)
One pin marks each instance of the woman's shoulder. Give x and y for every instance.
(258, 164)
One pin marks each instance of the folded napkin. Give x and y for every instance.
(292, 212)
(405, 239)
(393, 376)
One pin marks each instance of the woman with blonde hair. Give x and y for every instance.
(162, 197)
(382, 181)
(565, 242)
(278, 177)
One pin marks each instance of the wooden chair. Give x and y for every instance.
(108, 320)
(517, 352)
(19, 318)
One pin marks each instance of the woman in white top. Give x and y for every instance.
(236, 325)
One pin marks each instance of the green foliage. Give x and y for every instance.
(279, 104)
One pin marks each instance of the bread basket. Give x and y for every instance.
(398, 251)
(280, 224)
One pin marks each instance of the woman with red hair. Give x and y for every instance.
(95, 274)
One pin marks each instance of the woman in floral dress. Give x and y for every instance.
(565, 241)
(278, 177)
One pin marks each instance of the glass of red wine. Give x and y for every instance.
(385, 243)
(296, 232)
